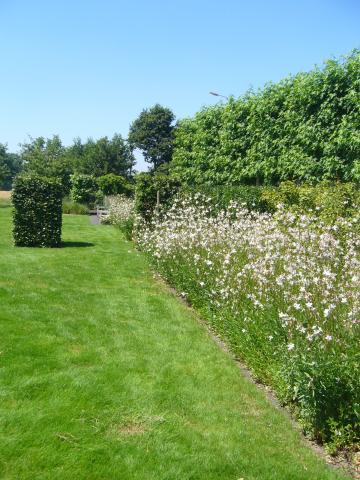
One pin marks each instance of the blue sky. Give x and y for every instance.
(88, 68)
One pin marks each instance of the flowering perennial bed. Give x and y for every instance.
(283, 290)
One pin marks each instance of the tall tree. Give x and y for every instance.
(152, 133)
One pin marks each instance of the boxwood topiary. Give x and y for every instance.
(37, 214)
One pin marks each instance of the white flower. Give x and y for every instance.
(290, 346)
(328, 338)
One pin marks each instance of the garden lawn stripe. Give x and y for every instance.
(106, 375)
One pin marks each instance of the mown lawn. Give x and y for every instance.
(106, 375)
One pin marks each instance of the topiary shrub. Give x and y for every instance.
(112, 184)
(83, 188)
(37, 205)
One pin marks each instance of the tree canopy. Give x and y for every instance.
(47, 157)
(152, 133)
(102, 156)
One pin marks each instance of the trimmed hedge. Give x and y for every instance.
(304, 128)
(37, 214)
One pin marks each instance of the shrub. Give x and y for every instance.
(70, 207)
(146, 188)
(37, 211)
(83, 188)
(112, 184)
(325, 200)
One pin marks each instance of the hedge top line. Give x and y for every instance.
(303, 128)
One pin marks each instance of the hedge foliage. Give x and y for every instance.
(304, 128)
(222, 195)
(112, 184)
(83, 188)
(37, 205)
(326, 200)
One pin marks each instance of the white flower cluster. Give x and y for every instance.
(121, 209)
(242, 262)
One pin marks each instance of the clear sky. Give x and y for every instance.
(88, 67)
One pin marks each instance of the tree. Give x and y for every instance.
(10, 165)
(4, 170)
(47, 157)
(102, 156)
(152, 133)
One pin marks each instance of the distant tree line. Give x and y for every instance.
(151, 133)
(10, 166)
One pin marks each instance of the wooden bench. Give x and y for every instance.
(101, 211)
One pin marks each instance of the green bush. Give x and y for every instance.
(37, 211)
(112, 184)
(70, 207)
(304, 128)
(83, 188)
(324, 387)
(146, 188)
(325, 200)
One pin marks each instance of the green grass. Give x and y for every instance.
(106, 375)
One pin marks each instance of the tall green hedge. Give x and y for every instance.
(37, 217)
(304, 128)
